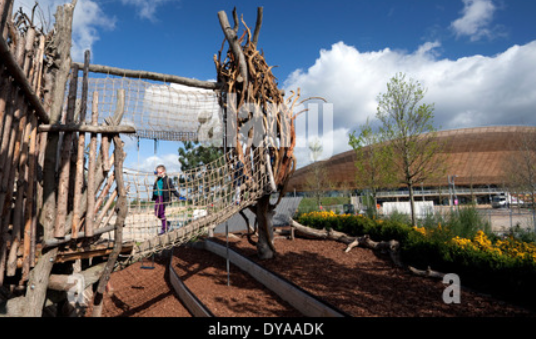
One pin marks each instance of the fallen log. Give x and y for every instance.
(64, 282)
(428, 273)
(391, 246)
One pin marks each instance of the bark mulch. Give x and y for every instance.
(361, 283)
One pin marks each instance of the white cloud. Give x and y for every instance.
(475, 20)
(87, 20)
(467, 92)
(170, 160)
(146, 9)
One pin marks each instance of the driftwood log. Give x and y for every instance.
(392, 246)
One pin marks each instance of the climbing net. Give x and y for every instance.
(157, 110)
(208, 195)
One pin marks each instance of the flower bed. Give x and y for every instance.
(504, 267)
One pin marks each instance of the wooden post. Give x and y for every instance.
(19, 200)
(59, 73)
(65, 164)
(30, 215)
(91, 186)
(104, 191)
(80, 161)
(4, 90)
(9, 160)
(121, 209)
(105, 151)
(105, 209)
(6, 7)
(10, 102)
(38, 277)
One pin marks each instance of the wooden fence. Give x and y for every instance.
(22, 56)
(52, 198)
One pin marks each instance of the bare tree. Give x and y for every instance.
(415, 150)
(521, 169)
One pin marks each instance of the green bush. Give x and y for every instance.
(489, 272)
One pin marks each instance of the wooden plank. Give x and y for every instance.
(300, 299)
(192, 303)
(56, 242)
(87, 128)
(86, 254)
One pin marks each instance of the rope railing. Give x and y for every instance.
(207, 196)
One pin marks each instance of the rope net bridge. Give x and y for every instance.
(67, 186)
(166, 107)
(209, 195)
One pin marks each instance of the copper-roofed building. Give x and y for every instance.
(479, 158)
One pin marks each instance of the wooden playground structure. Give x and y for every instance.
(70, 209)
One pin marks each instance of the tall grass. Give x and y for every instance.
(308, 204)
(464, 222)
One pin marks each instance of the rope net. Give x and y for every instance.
(189, 202)
(157, 110)
(198, 199)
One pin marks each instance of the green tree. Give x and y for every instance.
(412, 139)
(195, 155)
(374, 169)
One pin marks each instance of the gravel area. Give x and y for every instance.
(361, 283)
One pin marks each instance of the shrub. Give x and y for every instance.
(505, 267)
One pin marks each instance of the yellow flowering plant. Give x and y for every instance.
(484, 260)
(509, 247)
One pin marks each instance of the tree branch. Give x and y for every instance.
(231, 37)
(257, 27)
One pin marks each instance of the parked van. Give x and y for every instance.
(505, 200)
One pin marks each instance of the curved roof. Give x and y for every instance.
(478, 156)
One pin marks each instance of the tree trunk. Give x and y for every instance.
(412, 204)
(265, 212)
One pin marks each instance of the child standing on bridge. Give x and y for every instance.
(162, 187)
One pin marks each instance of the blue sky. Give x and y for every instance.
(475, 57)
(181, 37)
